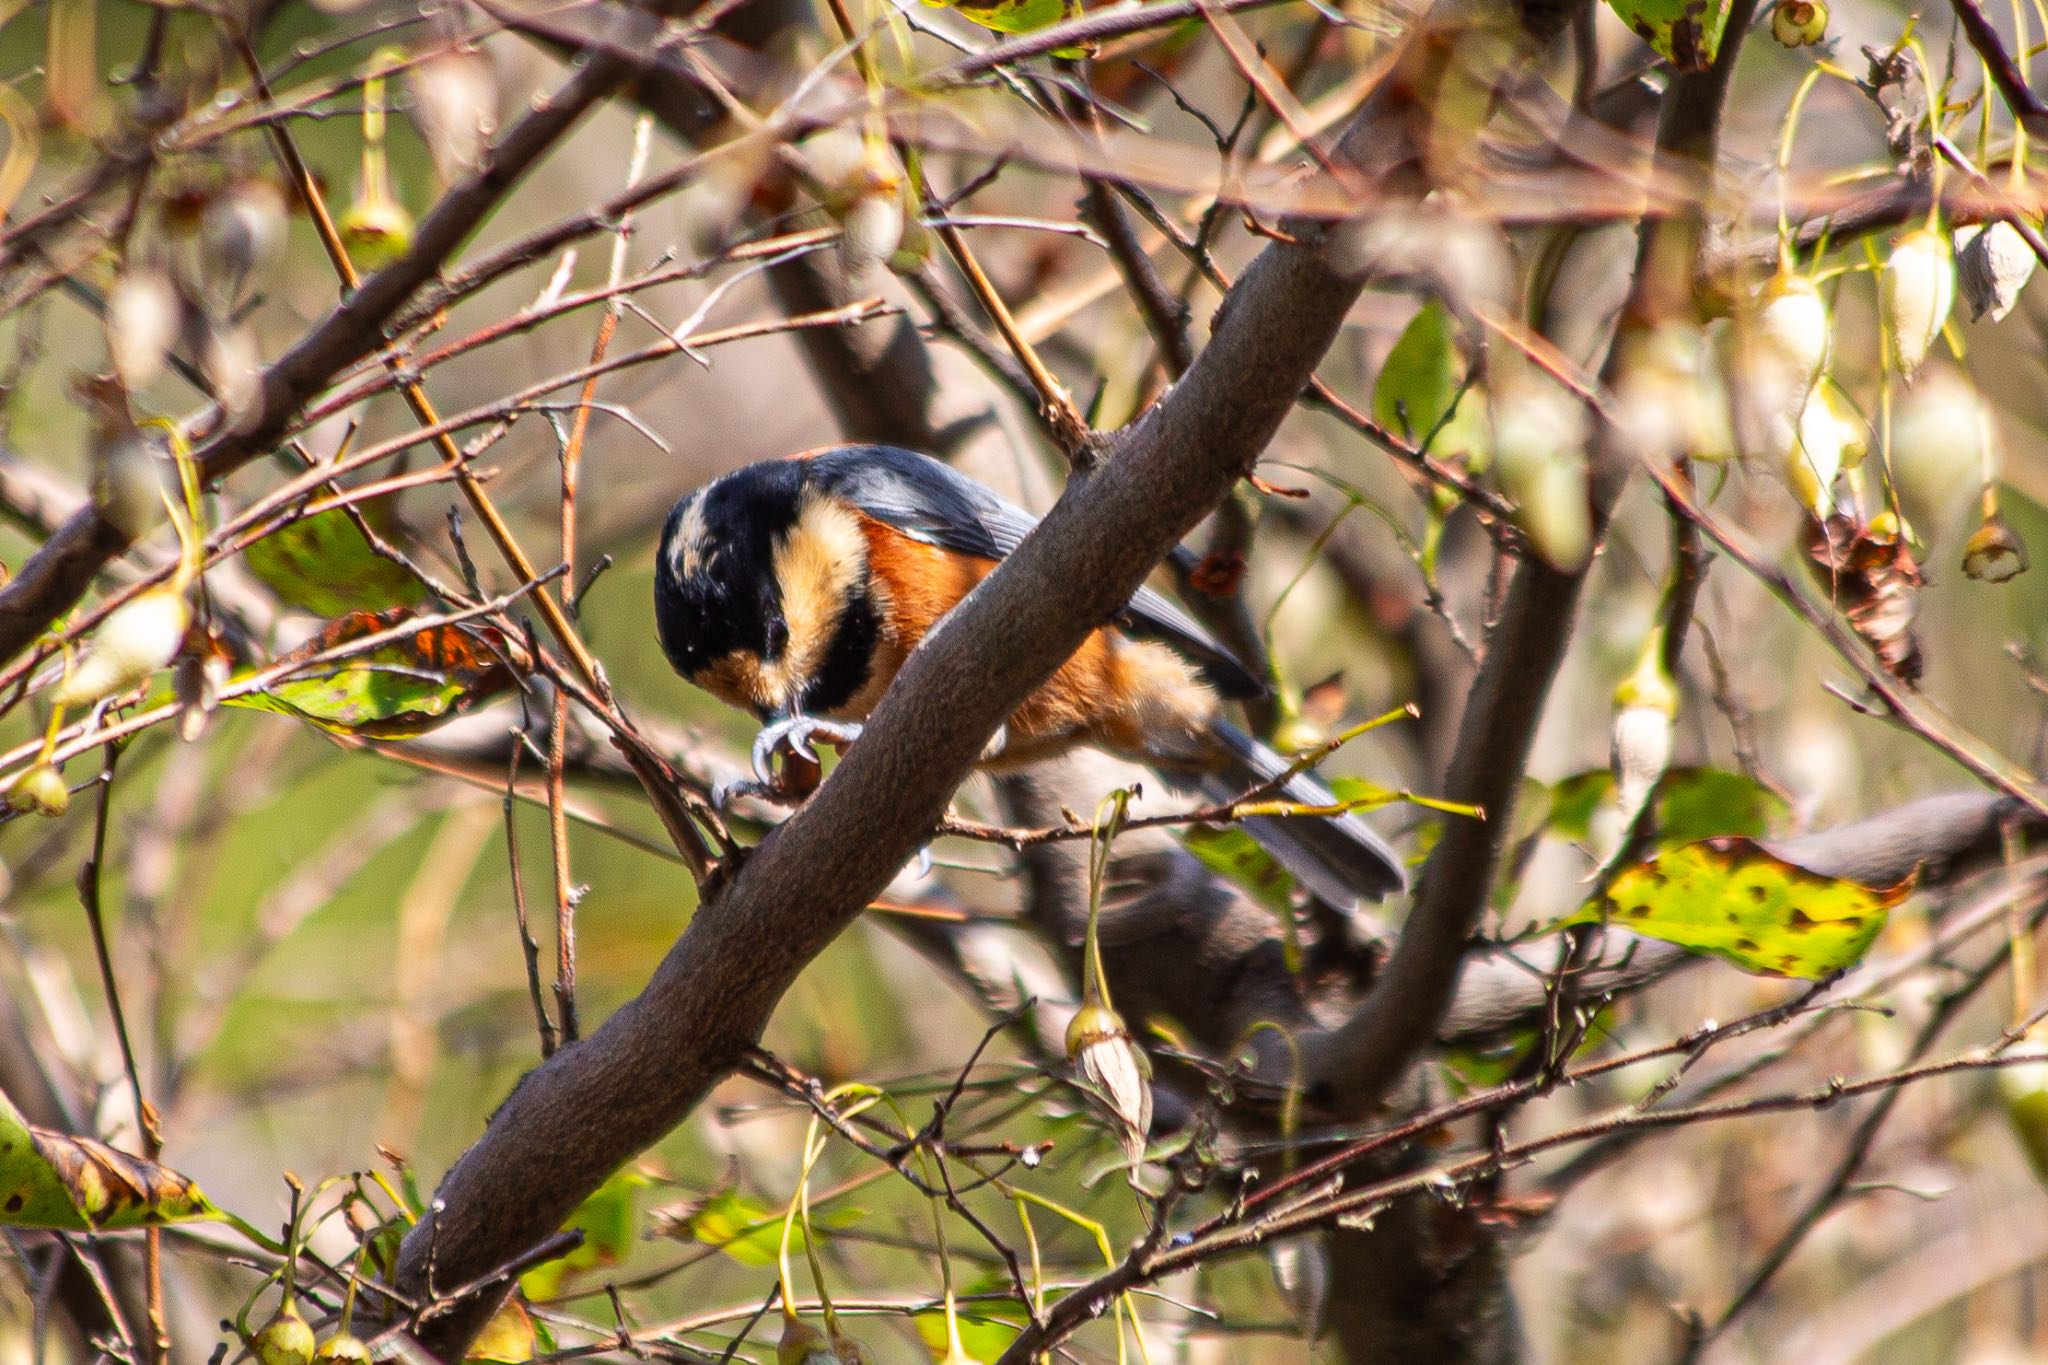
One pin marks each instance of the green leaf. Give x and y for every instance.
(990, 1319)
(324, 564)
(1693, 804)
(1575, 800)
(1687, 33)
(397, 690)
(509, 1338)
(609, 1221)
(50, 1179)
(749, 1231)
(1737, 900)
(1699, 803)
(1419, 386)
(1018, 16)
(1230, 852)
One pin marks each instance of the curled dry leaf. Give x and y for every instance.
(1870, 575)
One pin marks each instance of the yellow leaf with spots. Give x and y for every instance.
(1734, 898)
(1017, 16)
(54, 1180)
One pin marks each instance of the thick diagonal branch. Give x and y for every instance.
(593, 1106)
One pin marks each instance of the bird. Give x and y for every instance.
(795, 588)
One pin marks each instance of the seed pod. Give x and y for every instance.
(1779, 350)
(241, 236)
(1791, 324)
(1918, 290)
(455, 107)
(285, 1339)
(137, 638)
(377, 230)
(1816, 457)
(837, 161)
(234, 367)
(870, 231)
(848, 1349)
(144, 317)
(1939, 452)
(1115, 1070)
(1992, 265)
(803, 1344)
(40, 791)
(1799, 23)
(1995, 554)
(1539, 455)
(342, 1349)
(2023, 1090)
(1639, 750)
(1659, 397)
(127, 475)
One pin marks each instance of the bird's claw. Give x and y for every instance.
(724, 793)
(796, 734)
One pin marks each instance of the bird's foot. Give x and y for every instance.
(797, 734)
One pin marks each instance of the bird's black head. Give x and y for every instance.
(715, 592)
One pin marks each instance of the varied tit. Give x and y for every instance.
(795, 589)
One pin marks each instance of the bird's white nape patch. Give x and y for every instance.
(688, 551)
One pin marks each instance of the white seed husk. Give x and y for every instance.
(1939, 449)
(455, 107)
(1918, 290)
(1779, 350)
(1816, 457)
(1992, 265)
(137, 638)
(1539, 456)
(144, 317)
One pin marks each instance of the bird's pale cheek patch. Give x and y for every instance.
(818, 562)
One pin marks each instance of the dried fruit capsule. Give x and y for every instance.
(1995, 554)
(1799, 23)
(1645, 705)
(1919, 289)
(144, 317)
(803, 1344)
(1940, 452)
(1780, 349)
(377, 230)
(342, 1349)
(285, 1339)
(137, 638)
(1539, 456)
(1816, 457)
(241, 235)
(1115, 1069)
(1992, 265)
(40, 791)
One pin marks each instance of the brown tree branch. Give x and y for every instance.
(708, 1001)
(1351, 1067)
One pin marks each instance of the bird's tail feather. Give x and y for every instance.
(1336, 857)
